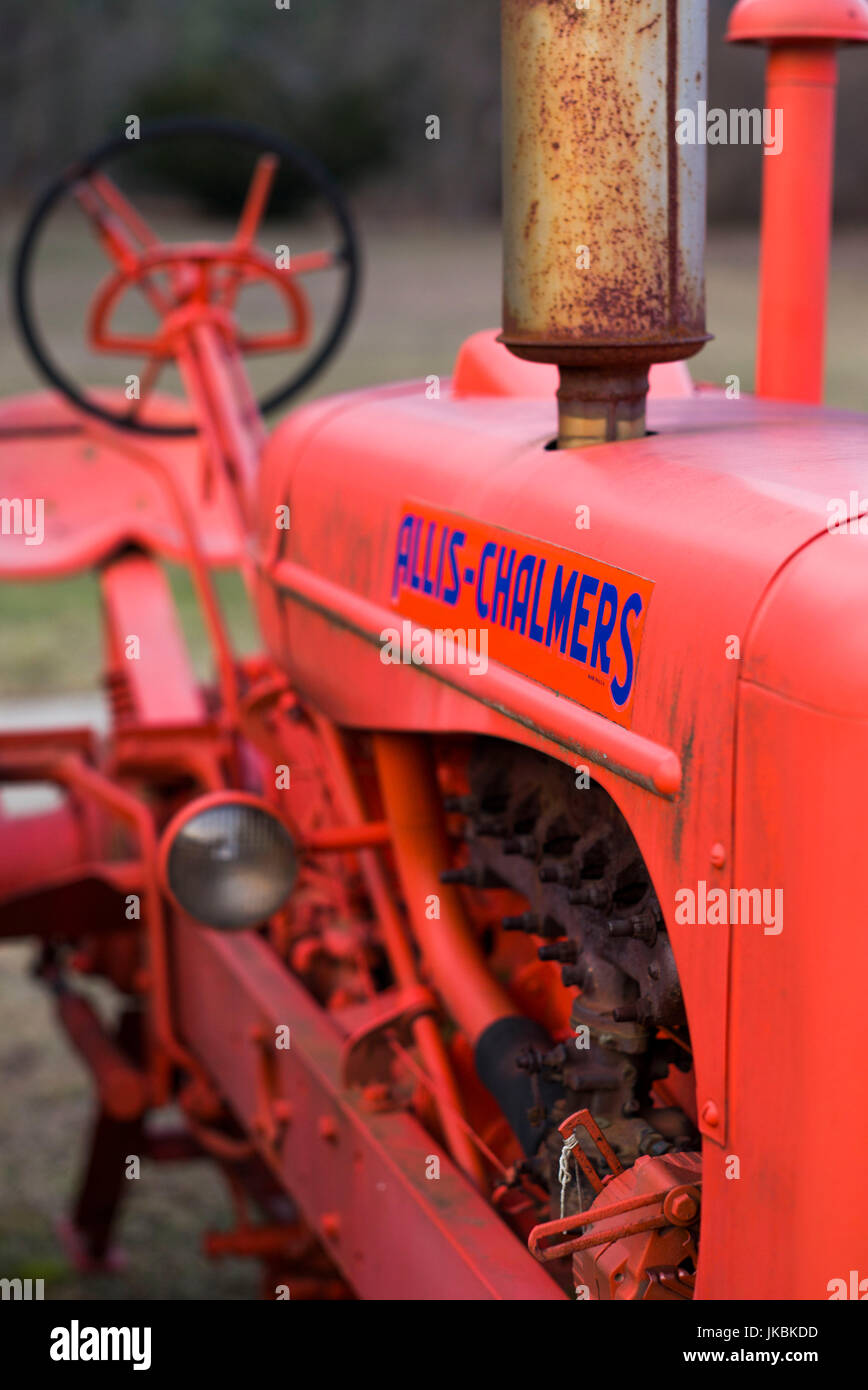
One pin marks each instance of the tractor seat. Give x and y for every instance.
(95, 497)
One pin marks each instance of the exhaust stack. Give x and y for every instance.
(604, 210)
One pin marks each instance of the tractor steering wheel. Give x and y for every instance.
(201, 278)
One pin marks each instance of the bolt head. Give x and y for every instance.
(710, 1114)
(328, 1128)
(331, 1225)
(377, 1096)
(683, 1207)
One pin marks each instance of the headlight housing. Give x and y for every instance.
(228, 861)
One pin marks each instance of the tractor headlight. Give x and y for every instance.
(228, 861)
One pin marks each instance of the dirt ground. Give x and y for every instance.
(425, 290)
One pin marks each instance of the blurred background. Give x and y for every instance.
(353, 82)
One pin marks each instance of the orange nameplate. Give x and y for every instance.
(571, 623)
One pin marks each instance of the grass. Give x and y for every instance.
(426, 289)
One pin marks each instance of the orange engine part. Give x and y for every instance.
(648, 1264)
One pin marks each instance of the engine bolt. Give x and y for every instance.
(472, 875)
(640, 928)
(521, 844)
(567, 874)
(620, 928)
(532, 923)
(490, 828)
(589, 895)
(566, 951)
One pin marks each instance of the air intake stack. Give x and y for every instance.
(604, 208)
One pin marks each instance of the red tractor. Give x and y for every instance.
(496, 929)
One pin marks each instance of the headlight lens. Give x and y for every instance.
(230, 865)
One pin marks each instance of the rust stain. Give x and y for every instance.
(591, 160)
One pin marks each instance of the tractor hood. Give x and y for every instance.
(456, 512)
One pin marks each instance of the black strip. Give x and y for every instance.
(496, 1055)
(672, 157)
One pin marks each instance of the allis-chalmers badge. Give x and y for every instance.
(499, 930)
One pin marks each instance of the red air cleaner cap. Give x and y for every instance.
(794, 21)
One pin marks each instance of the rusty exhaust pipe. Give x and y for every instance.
(604, 210)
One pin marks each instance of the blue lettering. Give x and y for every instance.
(488, 550)
(415, 581)
(501, 585)
(587, 588)
(561, 606)
(456, 541)
(402, 555)
(621, 692)
(426, 582)
(536, 633)
(603, 629)
(521, 593)
(440, 561)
